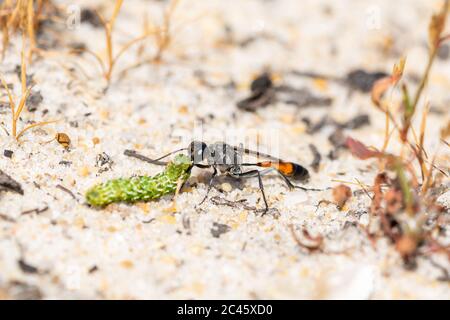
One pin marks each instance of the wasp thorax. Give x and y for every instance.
(196, 151)
(221, 153)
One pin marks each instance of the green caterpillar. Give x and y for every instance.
(142, 188)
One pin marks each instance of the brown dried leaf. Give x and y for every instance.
(406, 245)
(394, 201)
(316, 242)
(359, 150)
(375, 207)
(382, 85)
(379, 88)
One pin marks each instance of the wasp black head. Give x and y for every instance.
(196, 151)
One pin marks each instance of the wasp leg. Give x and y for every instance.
(255, 173)
(210, 184)
(288, 182)
(173, 207)
(203, 166)
(292, 186)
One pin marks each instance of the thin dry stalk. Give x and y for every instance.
(437, 26)
(22, 16)
(16, 109)
(164, 35)
(108, 65)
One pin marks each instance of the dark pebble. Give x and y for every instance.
(362, 80)
(8, 153)
(218, 229)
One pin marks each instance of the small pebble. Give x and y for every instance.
(8, 153)
(63, 139)
(218, 229)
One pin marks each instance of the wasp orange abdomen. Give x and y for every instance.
(289, 169)
(285, 168)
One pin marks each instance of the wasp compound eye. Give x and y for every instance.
(196, 151)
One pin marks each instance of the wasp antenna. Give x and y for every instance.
(134, 154)
(170, 153)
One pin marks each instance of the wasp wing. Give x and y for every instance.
(257, 154)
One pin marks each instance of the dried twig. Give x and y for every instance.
(316, 242)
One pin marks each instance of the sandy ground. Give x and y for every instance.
(64, 249)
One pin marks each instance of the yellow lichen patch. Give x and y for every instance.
(83, 171)
(385, 44)
(127, 264)
(244, 85)
(233, 224)
(287, 118)
(243, 216)
(79, 222)
(304, 272)
(104, 114)
(321, 84)
(197, 287)
(281, 265)
(197, 249)
(276, 78)
(111, 229)
(299, 129)
(172, 208)
(82, 145)
(168, 260)
(183, 109)
(144, 207)
(167, 218)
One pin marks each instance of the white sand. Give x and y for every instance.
(143, 251)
